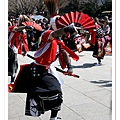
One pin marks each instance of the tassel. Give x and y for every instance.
(52, 6)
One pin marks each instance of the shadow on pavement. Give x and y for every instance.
(86, 65)
(81, 55)
(103, 83)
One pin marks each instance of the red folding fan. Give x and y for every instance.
(80, 18)
(76, 17)
(31, 23)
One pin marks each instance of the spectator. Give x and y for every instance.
(106, 27)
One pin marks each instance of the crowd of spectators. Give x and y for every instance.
(105, 23)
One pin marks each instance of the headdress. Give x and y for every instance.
(52, 6)
(53, 9)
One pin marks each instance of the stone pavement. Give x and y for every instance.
(86, 98)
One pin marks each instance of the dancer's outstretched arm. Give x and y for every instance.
(60, 32)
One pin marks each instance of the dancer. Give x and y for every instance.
(99, 50)
(40, 80)
(54, 15)
(18, 43)
(45, 90)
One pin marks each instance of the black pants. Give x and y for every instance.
(34, 78)
(12, 64)
(43, 90)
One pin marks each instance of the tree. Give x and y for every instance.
(90, 7)
(16, 7)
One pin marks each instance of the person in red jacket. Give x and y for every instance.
(17, 43)
(54, 15)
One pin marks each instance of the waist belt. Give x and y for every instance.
(37, 70)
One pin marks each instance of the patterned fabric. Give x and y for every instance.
(99, 32)
(108, 45)
(99, 50)
(37, 105)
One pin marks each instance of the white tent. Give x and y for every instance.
(38, 17)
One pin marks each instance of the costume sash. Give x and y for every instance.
(72, 54)
(46, 54)
(18, 39)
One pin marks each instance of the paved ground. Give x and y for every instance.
(86, 98)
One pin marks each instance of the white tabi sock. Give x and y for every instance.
(55, 118)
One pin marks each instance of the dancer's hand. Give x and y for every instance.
(71, 29)
(29, 27)
(70, 70)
